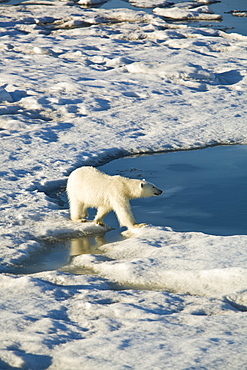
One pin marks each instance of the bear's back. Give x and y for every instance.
(88, 173)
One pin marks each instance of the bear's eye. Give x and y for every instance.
(142, 184)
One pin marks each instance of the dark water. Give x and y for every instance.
(203, 190)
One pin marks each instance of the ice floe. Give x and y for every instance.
(82, 87)
(150, 3)
(181, 13)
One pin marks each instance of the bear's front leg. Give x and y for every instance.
(124, 214)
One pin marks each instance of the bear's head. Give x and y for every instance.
(148, 189)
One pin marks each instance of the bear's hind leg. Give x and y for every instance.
(84, 215)
(78, 212)
(101, 213)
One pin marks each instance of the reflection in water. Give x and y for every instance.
(86, 245)
(83, 245)
(58, 254)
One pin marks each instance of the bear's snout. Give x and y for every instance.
(158, 192)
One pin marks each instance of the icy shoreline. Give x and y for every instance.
(81, 87)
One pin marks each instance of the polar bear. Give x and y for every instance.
(87, 187)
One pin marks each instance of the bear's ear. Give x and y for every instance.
(142, 183)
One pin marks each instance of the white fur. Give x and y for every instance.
(88, 187)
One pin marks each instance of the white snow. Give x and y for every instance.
(237, 13)
(90, 2)
(84, 86)
(150, 3)
(188, 13)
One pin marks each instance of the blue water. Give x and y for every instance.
(203, 190)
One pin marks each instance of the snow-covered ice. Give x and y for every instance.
(150, 3)
(84, 86)
(188, 13)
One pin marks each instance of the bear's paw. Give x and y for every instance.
(138, 226)
(83, 220)
(100, 223)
